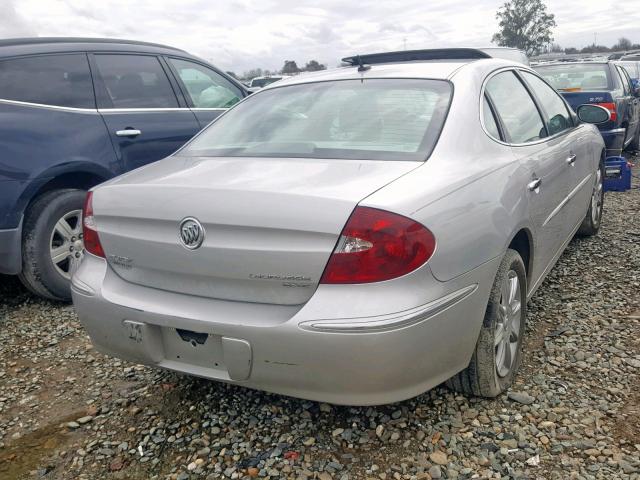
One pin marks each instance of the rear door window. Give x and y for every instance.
(206, 87)
(516, 108)
(135, 81)
(557, 114)
(57, 80)
(626, 81)
(489, 120)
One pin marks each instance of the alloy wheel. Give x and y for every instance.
(596, 199)
(508, 324)
(66, 246)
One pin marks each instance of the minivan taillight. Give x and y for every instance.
(90, 230)
(612, 109)
(376, 245)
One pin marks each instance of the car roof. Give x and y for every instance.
(430, 69)
(27, 46)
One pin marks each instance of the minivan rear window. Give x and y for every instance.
(577, 76)
(57, 80)
(377, 119)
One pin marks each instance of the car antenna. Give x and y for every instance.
(361, 66)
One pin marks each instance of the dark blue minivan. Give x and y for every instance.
(75, 112)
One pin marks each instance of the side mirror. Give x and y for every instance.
(593, 114)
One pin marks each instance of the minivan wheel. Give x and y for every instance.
(591, 223)
(496, 358)
(52, 244)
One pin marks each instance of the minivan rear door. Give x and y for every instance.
(146, 117)
(207, 92)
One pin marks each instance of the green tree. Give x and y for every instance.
(290, 67)
(524, 24)
(314, 66)
(623, 44)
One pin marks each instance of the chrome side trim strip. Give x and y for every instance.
(50, 107)
(567, 199)
(392, 321)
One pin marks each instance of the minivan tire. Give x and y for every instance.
(39, 275)
(486, 376)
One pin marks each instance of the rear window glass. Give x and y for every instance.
(377, 119)
(576, 77)
(59, 80)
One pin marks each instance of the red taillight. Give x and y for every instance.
(376, 245)
(612, 109)
(89, 229)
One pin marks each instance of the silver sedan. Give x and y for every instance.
(355, 236)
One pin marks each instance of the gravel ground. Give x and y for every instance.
(67, 411)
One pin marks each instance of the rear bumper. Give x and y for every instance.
(614, 141)
(296, 351)
(11, 250)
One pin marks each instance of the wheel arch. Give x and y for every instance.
(82, 176)
(522, 242)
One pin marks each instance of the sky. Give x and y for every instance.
(239, 35)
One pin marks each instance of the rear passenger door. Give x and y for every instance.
(572, 144)
(548, 181)
(207, 92)
(145, 117)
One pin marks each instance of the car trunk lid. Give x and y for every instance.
(270, 224)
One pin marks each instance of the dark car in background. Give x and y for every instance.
(631, 64)
(75, 112)
(601, 83)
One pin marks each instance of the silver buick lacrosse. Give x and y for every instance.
(354, 236)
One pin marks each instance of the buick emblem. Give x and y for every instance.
(191, 233)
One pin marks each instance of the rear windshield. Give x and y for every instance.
(376, 119)
(577, 76)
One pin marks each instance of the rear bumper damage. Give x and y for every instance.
(294, 350)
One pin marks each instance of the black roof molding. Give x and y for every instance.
(11, 42)
(417, 55)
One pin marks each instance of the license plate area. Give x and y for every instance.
(193, 348)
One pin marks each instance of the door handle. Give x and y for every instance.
(128, 132)
(571, 159)
(534, 185)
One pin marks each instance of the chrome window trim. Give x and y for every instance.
(508, 144)
(132, 110)
(50, 107)
(151, 109)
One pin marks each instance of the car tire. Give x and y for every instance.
(52, 229)
(496, 358)
(592, 220)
